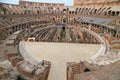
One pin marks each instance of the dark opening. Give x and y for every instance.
(113, 13)
(64, 9)
(64, 20)
(79, 9)
(63, 28)
(38, 12)
(20, 77)
(76, 9)
(75, 12)
(53, 19)
(117, 13)
(86, 70)
(69, 12)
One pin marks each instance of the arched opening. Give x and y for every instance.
(79, 9)
(69, 12)
(117, 13)
(99, 9)
(105, 13)
(75, 12)
(83, 9)
(64, 10)
(72, 12)
(76, 9)
(95, 11)
(113, 13)
(38, 12)
(64, 20)
(109, 12)
(53, 19)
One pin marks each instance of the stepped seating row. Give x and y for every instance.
(112, 53)
(14, 21)
(10, 25)
(99, 21)
(107, 58)
(108, 37)
(91, 38)
(14, 39)
(115, 44)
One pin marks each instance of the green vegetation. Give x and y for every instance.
(62, 35)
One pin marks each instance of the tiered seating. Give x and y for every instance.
(27, 15)
(107, 58)
(10, 25)
(115, 44)
(108, 37)
(99, 21)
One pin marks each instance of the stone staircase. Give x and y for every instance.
(76, 68)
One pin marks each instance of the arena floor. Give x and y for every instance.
(59, 54)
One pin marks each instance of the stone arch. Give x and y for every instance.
(117, 13)
(109, 12)
(113, 13)
(79, 9)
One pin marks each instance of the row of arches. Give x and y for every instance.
(106, 11)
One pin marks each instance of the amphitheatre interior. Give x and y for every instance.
(51, 41)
